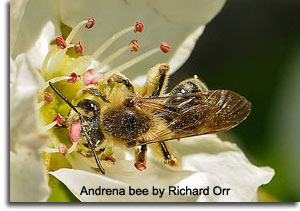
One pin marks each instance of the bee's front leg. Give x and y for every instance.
(96, 93)
(140, 158)
(118, 78)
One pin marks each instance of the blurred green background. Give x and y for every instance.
(253, 48)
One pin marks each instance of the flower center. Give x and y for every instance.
(71, 75)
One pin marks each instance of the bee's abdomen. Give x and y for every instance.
(126, 124)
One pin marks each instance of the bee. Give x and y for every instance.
(146, 116)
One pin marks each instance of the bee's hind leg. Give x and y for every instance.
(169, 159)
(160, 151)
(140, 158)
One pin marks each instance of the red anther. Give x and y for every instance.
(140, 165)
(90, 23)
(62, 149)
(164, 47)
(60, 42)
(139, 27)
(78, 47)
(47, 97)
(134, 45)
(111, 159)
(90, 78)
(59, 119)
(75, 131)
(74, 78)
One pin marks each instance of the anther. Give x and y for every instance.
(90, 78)
(90, 23)
(139, 27)
(62, 149)
(75, 131)
(47, 97)
(134, 45)
(60, 42)
(164, 47)
(59, 119)
(78, 47)
(116, 36)
(74, 78)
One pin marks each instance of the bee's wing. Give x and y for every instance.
(195, 113)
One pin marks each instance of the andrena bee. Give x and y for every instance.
(138, 117)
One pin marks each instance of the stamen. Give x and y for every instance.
(75, 131)
(136, 60)
(133, 46)
(73, 78)
(73, 147)
(90, 78)
(139, 27)
(164, 47)
(50, 150)
(54, 80)
(45, 62)
(60, 42)
(62, 149)
(90, 23)
(47, 97)
(110, 41)
(59, 119)
(74, 30)
(49, 126)
(78, 47)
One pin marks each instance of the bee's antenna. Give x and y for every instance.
(63, 97)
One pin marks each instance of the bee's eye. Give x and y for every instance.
(129, 102)
(88, 105)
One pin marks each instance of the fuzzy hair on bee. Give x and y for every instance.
(139, 117)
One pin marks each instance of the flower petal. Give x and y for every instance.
(28, 182)
(170, 21)
(28, 20)
(206, 162)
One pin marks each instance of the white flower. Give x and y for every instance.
(34, 24)
(206, 162)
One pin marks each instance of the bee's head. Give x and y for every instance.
(89, 107)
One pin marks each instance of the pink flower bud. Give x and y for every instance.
(75, 131)
(90, 23)
(62, 149)
(164, 47)
(134, 45)
(78, 47)
(60, 42)
(139, 27)
(59, 120)
(47, 97)
(74, 78)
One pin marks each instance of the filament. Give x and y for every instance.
(73, 32)
(136, 60)
(110, 41)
